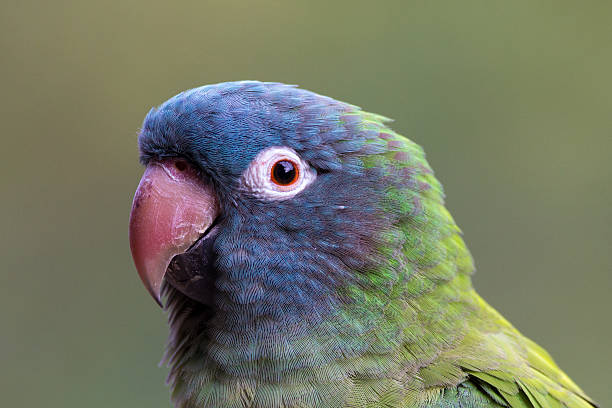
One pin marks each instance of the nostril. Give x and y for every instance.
(180, 165)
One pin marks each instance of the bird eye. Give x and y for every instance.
(277, 173)
(284, 172)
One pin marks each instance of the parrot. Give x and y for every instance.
(304, 256)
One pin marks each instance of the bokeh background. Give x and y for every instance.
(511, 100)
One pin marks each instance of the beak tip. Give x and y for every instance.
(154, 290)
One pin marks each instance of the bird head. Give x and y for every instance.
(261, 192)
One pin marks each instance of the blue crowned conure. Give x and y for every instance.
(303, 253)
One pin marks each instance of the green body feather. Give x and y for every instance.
(450, 335)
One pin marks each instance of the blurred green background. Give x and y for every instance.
(511, 100)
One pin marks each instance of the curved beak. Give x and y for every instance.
(172, 208)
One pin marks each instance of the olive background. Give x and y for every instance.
(511, 101)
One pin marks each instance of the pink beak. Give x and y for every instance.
(172, 208)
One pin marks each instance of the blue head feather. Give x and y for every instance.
(314, 237)
(222, 127)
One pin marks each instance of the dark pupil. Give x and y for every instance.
(284, 172)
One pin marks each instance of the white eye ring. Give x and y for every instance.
(259, 177)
